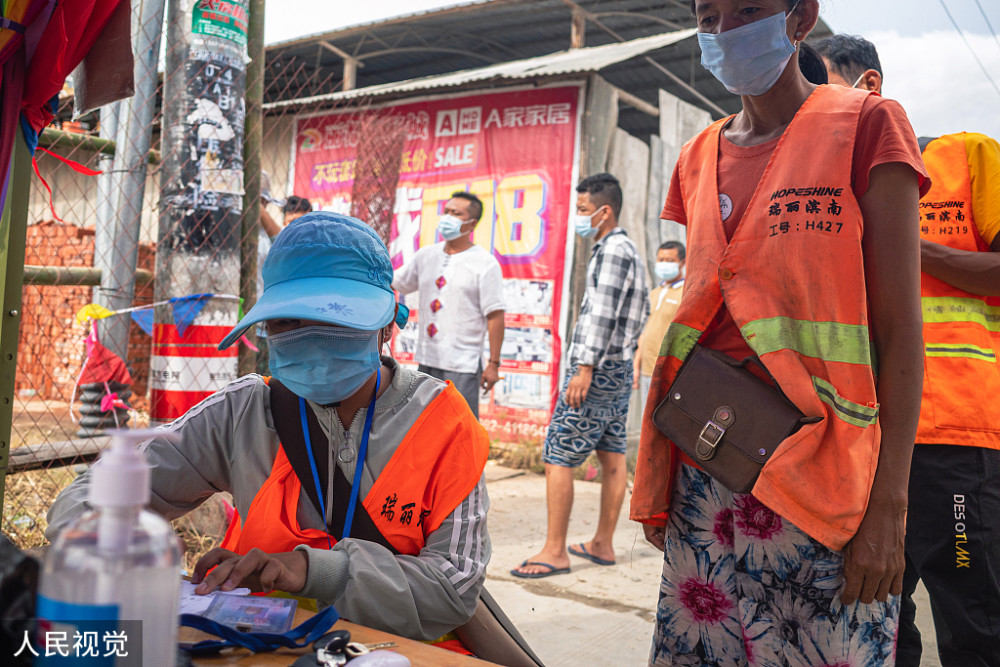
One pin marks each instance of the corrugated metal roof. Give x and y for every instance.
(408, 16)
(592, 59)
(489, 32)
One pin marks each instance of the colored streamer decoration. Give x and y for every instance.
(101, 366)
(144, 318)
(92, 311)
(515, 151)
(186, 308)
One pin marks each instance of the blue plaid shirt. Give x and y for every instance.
(615, 303)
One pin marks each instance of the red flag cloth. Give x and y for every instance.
(71, 32)
(103, 365)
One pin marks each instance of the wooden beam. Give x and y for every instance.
(73, 275)
(56, 454)
(335, 49)
(253, 139)
(53, 138)
(578, 29)
(350, 74)
(638, 103)
(351, 65)
(593, 18)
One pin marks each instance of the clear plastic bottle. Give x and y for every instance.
(117, 562)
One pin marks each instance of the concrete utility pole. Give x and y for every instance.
(201, 198)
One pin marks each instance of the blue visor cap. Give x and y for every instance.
(326, 267)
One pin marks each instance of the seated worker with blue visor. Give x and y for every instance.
(391, 527)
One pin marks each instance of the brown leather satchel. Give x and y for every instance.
(725, 418)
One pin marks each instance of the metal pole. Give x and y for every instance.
(252, 147)
(13, 233)
(133, 140)
(104, 229)
(92, 418)
(201, 199)
(116, 239)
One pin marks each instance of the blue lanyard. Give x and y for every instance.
(362, 451)
(258, 642)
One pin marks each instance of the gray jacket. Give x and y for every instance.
(228, 443)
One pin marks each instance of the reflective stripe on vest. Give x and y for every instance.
(960, 350)
(961, 330)
(792, 277)
(951, 309)
(679, 341)
(829, 341)
(861, 416)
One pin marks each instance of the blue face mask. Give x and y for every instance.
(324, 364)
(750, 59)
(449, 227)
(667, 270)
(584, 224)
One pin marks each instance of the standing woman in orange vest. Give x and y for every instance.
(802, 254)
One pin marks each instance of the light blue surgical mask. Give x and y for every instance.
(324, 364)
(750, 59)
(584, 224)
(667, 270)
(449, 227)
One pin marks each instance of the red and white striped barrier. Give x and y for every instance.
(184, 371)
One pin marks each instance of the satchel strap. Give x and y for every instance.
(285, 414)
(753, 359)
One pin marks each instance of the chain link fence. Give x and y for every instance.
(96, 240)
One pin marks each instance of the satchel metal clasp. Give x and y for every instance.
(708, 440)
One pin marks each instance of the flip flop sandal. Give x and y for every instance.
(581, 551)
(539, 575)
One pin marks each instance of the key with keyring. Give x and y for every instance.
(355, 649)
(329, 651)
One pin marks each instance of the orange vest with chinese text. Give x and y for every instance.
(792, 277)
(961, 330)
(435, 467)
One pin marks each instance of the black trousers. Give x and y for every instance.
(466, 383)
(953, 545)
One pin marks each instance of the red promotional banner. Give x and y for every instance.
(516, 151)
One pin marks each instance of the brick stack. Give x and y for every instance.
(50, 347)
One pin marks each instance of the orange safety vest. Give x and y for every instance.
(792, 278)
(961, 330)
(436, 466)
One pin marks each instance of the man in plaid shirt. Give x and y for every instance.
(593, 406)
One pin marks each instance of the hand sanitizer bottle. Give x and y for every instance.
(115, 565)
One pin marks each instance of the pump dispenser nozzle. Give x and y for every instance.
(119, 485)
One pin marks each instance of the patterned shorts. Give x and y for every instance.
(597, 424)
(741, 586)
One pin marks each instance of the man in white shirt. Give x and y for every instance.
(461, 299)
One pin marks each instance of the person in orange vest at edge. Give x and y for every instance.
(399, 448)
(802, 253)
(951, 534)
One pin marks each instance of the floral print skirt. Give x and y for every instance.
(742, 586)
